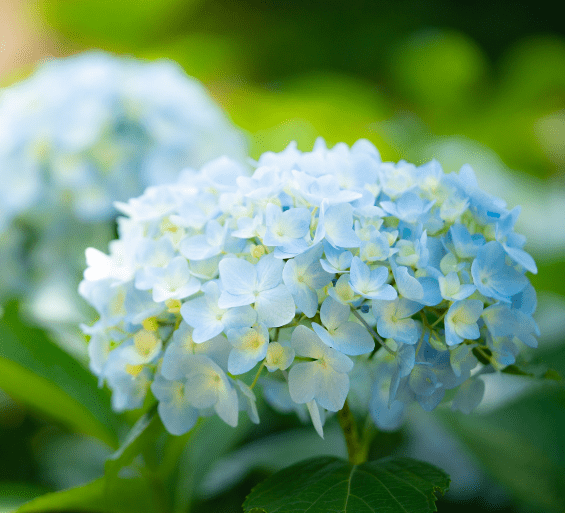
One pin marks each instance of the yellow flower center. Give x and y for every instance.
(145, 342)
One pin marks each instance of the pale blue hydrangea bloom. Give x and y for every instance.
(244, 284)
(129, 383)
(462, 358)
(279, 357)
(370, 283)
(336, 261)
(461, 321)
(493, 277)
(249, 347)
(409, 207)
(452, 289)
(335, 225)
(208, 386)
(286, 229)
(174, 281)
(394, 319)
(209, 320)
(182, 347)
(207, 245)
(304, 276)
(175, 409)
(387, 414)
(323, 379)
(342, 275)
(84, 131)
(347, 337)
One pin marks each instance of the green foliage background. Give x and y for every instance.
(481, 83)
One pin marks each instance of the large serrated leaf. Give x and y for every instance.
(331, 485)
(38, 373)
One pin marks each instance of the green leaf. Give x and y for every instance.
(116, 25)
(332, 105)
(141, 434)
(319, 485)
(13, 495)
(533, 371)
(517, 371)
(121, 496)
(520, 448)
(213, 439)
(552, 375)
(36, 372)
(272, 453)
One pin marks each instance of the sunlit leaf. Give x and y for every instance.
(439, 69)
(127, 23)
(334, 106)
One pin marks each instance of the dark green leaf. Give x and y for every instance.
(13, 495)
(553, 375)
(327, 484)
(520, 448)
(481, 357)
(533, 371)
(515, 370)
(121, 496)
(213, 439)
(41, 375)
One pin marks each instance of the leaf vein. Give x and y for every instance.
(389, 492)
(349, 487)
(407, 482)
(364, 502)
(326, 491)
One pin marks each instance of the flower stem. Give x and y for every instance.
(356, 450)
(258, 374)
(372, 331)
(439, 319)
(368, 434)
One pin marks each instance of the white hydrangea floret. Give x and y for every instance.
(245, 284)
(324, 379)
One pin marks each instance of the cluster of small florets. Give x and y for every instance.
(85, 131)
(321, 276)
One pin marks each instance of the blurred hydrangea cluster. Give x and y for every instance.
(85, 131)
(320, 276)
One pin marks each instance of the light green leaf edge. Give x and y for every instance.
(123, 496)
(138, 436)
(43, 396)
(319, 485)
(14, 494)
(36, 372)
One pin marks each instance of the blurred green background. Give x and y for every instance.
(476, 82)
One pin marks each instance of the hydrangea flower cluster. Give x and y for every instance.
(87, 130)
(321, 276)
